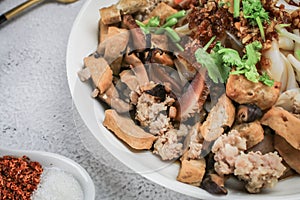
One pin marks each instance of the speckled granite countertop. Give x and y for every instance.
(36, 109)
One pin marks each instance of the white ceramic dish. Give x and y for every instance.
(51, 160)
(82, 42)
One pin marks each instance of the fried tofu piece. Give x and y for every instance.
(163, 11)
(191, 171)
(252, 132)
(131, 6)
(221, 116)
(125, 129)
(243, 91)
(284, 124)
(110, 15)
(100, 72)
(288, 153)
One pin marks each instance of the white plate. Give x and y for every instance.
(82, 42)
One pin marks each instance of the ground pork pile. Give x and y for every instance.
(168, 146)
(258, 171)
(226, 149)
(152, 109)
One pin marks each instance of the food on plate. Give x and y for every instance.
(284, 124)
(127, 131)
(213, 84)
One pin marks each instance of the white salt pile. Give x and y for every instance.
(57, 185)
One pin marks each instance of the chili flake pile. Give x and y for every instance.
(19, 177)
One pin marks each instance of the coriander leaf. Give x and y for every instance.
(265, 78)
(208, 62)
(255, 13)
(253, 9)
(253, 54)
(230, 57)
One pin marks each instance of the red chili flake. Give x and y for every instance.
(19, 177)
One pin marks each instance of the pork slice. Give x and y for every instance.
(100, 72)
(112, 98)
(284, 124)
(125, 129)
(289, 154)
(128, 77)
(221, 116)
(252, 132)
(138, 36)
(115, 36)
(243, 91)
(110, 15)
(103, 29)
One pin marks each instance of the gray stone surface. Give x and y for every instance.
(36, 109)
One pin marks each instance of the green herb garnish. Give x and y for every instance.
(255, 13)
(265, 78)
(236, 8)
(221, 60)
(177, 15)
(207, 61)
(153, 22)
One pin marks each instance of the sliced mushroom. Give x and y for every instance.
(248, 113)
(113, 53)
(214, 184)
(163, 59)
